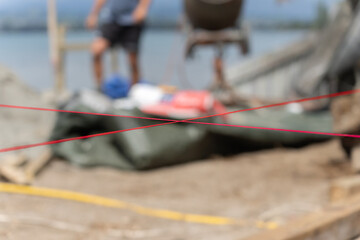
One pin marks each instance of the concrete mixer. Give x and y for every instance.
(217, 23)
(213, 14)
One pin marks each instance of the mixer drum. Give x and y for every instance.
(213, 14)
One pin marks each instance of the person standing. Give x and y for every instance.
(123, 23)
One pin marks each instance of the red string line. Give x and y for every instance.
(184, 121)
(203, 117)
(162, 124)
(73, 139)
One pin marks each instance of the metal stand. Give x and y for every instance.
(218, 39)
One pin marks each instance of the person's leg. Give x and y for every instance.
(98, 47)
(130, 40)
(134, 67)
(219, 71)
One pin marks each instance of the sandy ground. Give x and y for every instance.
(277, 185)
(270, 185)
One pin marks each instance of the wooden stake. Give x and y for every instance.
(13, 174)
(335, 222)
(35, 166)
(54, 44)
(60, 67)
(11, 170)
(14, 159)
(344, 188)
(114, 61)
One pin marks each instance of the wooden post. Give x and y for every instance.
(114, 60)
(344, 188)
(59, 47)
(335, 222)
(60, 67)
(52, 29)
(54, 44)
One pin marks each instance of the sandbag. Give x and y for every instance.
(169, 144)
(276, 119)
(133, 150)
(159, 146)
(89, 152)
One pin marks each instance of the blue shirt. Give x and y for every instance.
(119, 11)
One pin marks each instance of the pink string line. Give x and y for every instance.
(169, 121)
(203, 117)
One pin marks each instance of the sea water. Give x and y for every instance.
(162, 58)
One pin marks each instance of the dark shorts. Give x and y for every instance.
(127, 37)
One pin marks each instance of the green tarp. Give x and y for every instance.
(176, 143)
(133, 150)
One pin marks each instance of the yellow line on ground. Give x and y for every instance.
(113, 203)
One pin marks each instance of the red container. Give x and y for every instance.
(200, 100)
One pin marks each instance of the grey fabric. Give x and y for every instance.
(92, 152)
(134, 150)
(278, 119)
(160, 146)
(171, 144)
(119, 11)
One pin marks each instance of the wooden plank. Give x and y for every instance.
(249, 70)
(344, 188)
(35, 166)
(209, 38)
(13, 159)
(76, 46)
(52, 26)
(9, 168)
(330, 40)
(339, 221)
(13, 174)
(60, 64)
(348, 54)
(114, 61)
(54, 43)
(12, 170)
(355, 159)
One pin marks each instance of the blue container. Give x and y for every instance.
(118, 86)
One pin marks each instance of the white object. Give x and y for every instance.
(145, 94)
(95, 100)
(124, 103)
(295, 108)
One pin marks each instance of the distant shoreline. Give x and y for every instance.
(257, 26)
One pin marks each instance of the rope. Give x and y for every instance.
(145, 211)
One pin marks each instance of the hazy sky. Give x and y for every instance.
(5, 3)
(296, 9)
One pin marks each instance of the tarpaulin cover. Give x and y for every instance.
(133, 150)
(176, 143)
